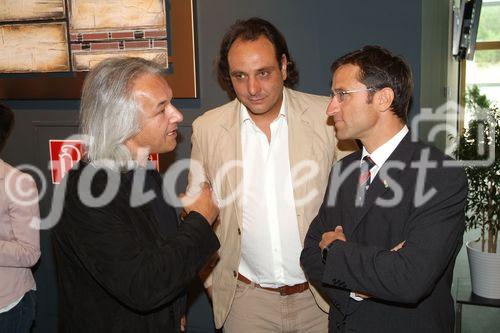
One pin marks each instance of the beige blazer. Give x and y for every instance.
(216, 142)
(19, 233)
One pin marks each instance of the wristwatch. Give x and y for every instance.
(324, 252)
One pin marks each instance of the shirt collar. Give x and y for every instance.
(382, 153)
(245, 116)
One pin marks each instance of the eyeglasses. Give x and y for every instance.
(341, 94)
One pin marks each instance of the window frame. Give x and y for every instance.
(480, 46)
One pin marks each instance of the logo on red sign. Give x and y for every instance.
(64, 154)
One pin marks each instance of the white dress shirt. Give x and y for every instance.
(379, 156)
(382, 153)
(270, 245)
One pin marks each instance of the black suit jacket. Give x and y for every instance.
(410, 288)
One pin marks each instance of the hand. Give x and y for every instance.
(203, 203)
(329, 237)
(183, 323)
(398, 247)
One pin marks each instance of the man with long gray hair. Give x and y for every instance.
(123, 260)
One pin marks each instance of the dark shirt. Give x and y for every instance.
(123, 268)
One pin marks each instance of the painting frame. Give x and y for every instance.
(181, 74)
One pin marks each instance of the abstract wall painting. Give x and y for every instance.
(101, 29)
(37, 47)
(71, 36)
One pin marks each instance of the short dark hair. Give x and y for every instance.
(6, 123)
(251, 30)
(379, 68)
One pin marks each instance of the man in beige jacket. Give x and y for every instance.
(267, 155)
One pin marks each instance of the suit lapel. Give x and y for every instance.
(378, 187)
(230, 149)
(349, 194)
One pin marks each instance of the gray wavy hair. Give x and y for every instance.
(109, 112)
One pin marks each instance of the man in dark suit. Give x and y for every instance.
(383, 246)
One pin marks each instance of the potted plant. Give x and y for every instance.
(478, 141)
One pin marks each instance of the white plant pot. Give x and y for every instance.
(484, 271)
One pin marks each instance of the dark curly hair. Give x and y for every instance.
(379, 68)
(250, 30)
(6, 123)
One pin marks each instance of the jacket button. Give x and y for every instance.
(235, 274)
(239, 231)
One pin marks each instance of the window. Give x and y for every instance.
(484, 70)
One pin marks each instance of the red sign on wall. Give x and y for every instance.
(64, 154)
